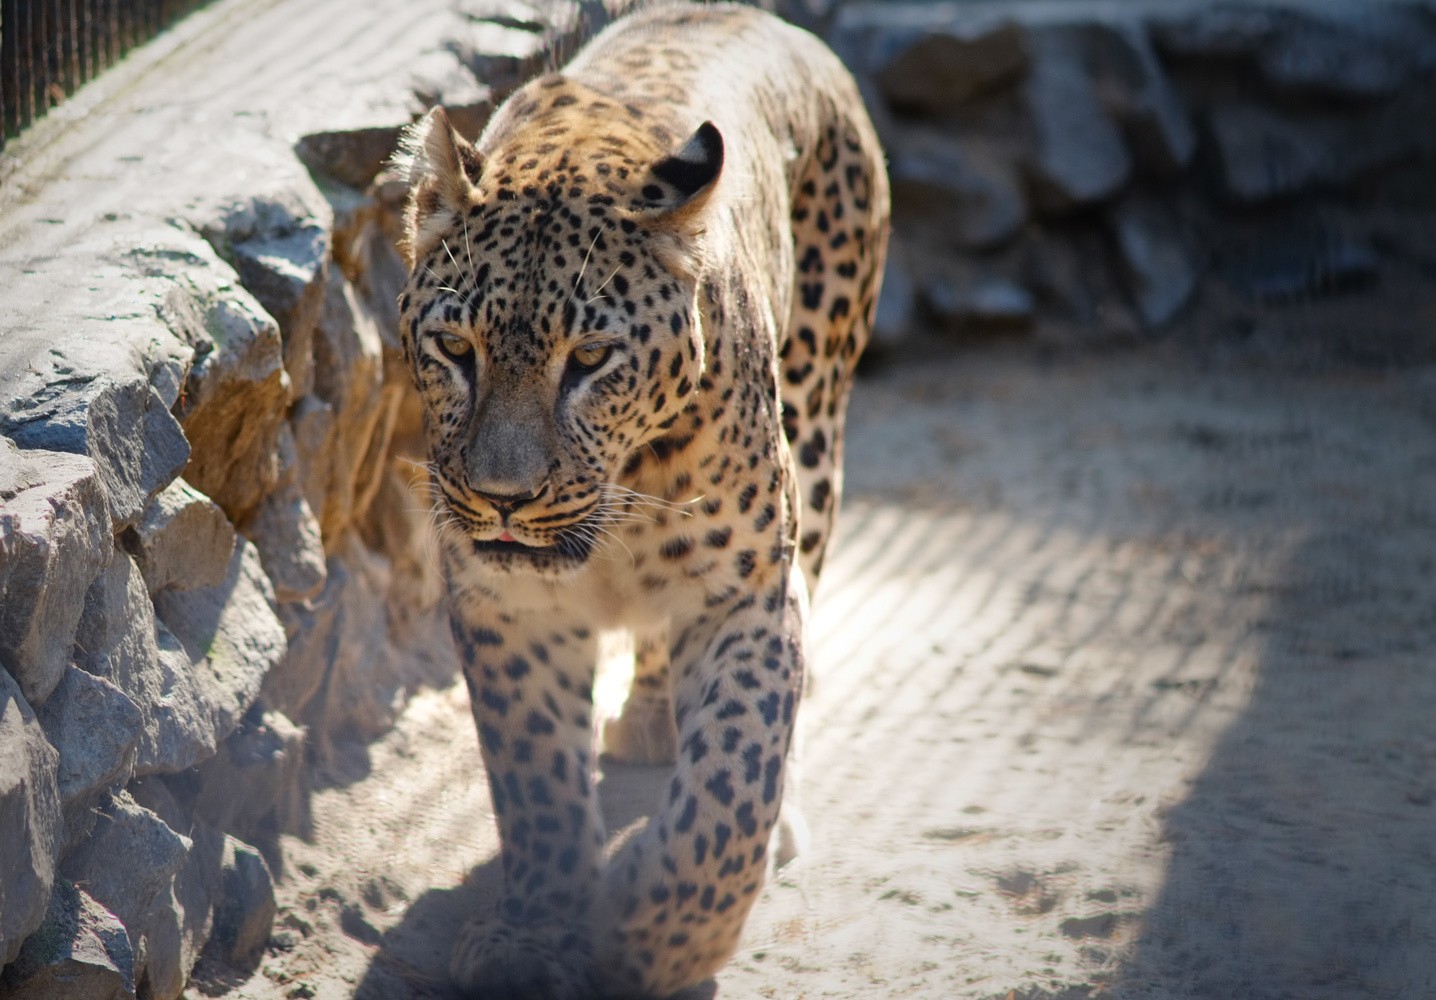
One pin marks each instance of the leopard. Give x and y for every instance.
(633, 312)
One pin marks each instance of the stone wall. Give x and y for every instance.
(215, 571)
(1097, 173)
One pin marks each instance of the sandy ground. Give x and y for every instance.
(1124, 689)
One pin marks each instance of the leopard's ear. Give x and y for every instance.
(443, 170)
(678, 186)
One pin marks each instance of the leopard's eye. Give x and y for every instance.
(592, 355)
(455, 346)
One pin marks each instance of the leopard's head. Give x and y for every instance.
(550, 319)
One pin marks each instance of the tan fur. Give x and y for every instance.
(635, 354)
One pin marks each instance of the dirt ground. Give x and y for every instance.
(1124, 688)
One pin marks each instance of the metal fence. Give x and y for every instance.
(49, 47)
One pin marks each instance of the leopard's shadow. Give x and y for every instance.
(412, 959)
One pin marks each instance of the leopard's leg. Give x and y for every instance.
(644, 732)
(531, 688)
(675, 896)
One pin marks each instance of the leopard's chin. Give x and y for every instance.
(569, 550)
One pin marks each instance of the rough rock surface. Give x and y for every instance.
(96, 729)
(232, 637)
(30, 821)
(182, 540)
(129, 859)
(80, 952)
(121, 641)
(54, 540)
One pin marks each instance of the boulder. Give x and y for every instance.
(80, 952)
(342, 431)
(54, 541)
(1142, 98)
(278, 243)
(1262, 155)
(1336, 50)
(245, 914)
(231, 635)
(179, 921)
(181, 540)
(254, 787)
(350, 156)
(236, 395)
(127, 863)
(1079, 157)
(96, 730)
(1300, 261)
(951, 65)
(440, 78)
(1156, 258)
(963, 189)
(30, 819)
(500, 57)
(931, 58)
(96, 400)
(977, 302)
(285, 532)
(120, 640)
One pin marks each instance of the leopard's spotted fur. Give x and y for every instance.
(633, 313)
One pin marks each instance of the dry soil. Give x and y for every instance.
(1124, 688)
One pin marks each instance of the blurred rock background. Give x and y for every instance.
(216, 580)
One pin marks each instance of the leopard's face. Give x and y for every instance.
(552, 329)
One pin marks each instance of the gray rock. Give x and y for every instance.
(440, 78)
(128, 862)
(1079, 156)
(120, 640)
(236, 395)
(1080, 297)
(80, 952)
(181, 540)
(977, 303)
(285, 271)
(254, 786)
(1142, 97)
(1217, 31)
(351, 156)
(500, 57)
(360, 690)
(231, 635)
(1371, 51)
(1302, 261)
(961, 188)
(285, 532)
(54, 540)
(278, 242)
(1262, 155)
(245, 914)
(96, 730)
(111, 414)
(1156, 258)
(948, 67)
(30, 820)
(342, 431)
(180, 919)
(931, 57)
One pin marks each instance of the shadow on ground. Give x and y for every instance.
(1303, 860)
(412, 958)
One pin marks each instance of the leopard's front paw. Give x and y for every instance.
(494, 960)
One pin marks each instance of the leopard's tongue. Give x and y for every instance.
(506, 537)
